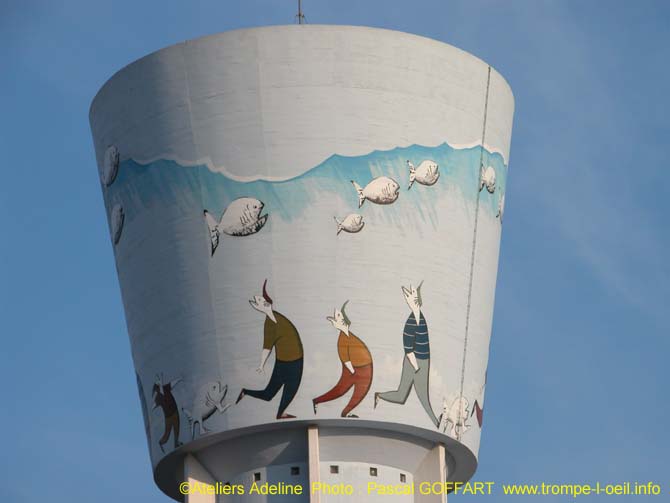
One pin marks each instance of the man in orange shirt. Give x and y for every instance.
(356, 365)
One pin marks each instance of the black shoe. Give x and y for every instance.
(240, 396)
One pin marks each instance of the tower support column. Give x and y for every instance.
(314, 462)
(197, 475)
(433, 469)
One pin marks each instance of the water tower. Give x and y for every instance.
(306, 223)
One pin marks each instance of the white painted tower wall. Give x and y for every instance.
(285, 115)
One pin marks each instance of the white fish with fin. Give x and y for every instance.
(487, 178)
(456, 416)
(110, 166)
(242, 217)
(117, 218)
(501, 207)
(207, 402)
(381, 190)
(352, 223)
(426, 174)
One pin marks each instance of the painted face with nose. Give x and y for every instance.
(158, 384)
(260, 304)
(337, 320)
(413, 298)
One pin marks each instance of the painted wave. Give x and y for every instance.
(165, 182)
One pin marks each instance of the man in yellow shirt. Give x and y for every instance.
(278, 333)
(356, 365)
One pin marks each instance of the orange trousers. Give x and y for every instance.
(360, 380)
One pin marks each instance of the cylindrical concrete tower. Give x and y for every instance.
(306, 223)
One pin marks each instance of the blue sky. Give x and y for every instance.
(578, 370)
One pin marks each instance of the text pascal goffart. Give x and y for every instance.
(426, 488)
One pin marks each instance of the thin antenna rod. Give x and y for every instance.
(300, 16)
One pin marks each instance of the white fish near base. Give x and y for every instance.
(110, 166)
(352, 223)
(426, 174)
(117, 219)
(501, 207)
(242, 217)
(487, 178)
(207, 402)
(456, 415)
(381, 190)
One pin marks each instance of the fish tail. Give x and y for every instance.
(361, 197)
(412, 174)
(215, 238)
(214, 234)
(339, 226)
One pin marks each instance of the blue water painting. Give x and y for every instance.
(194, 188)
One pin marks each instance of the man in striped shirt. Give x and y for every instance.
(416, 364)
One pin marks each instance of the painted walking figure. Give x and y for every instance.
(416, 363)
(356, 365)
(282, 336)
(163, 398)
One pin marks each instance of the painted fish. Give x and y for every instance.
(501, 207)
(207, 402)
(117, 218)
(242, 217)
(426, 174)
(456, 414)
(110, 166)
(352, 223)
(381, 190)
(487, 178)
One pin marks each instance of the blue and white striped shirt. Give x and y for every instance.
(415, 337)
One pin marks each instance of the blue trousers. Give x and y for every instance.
(286, 374)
